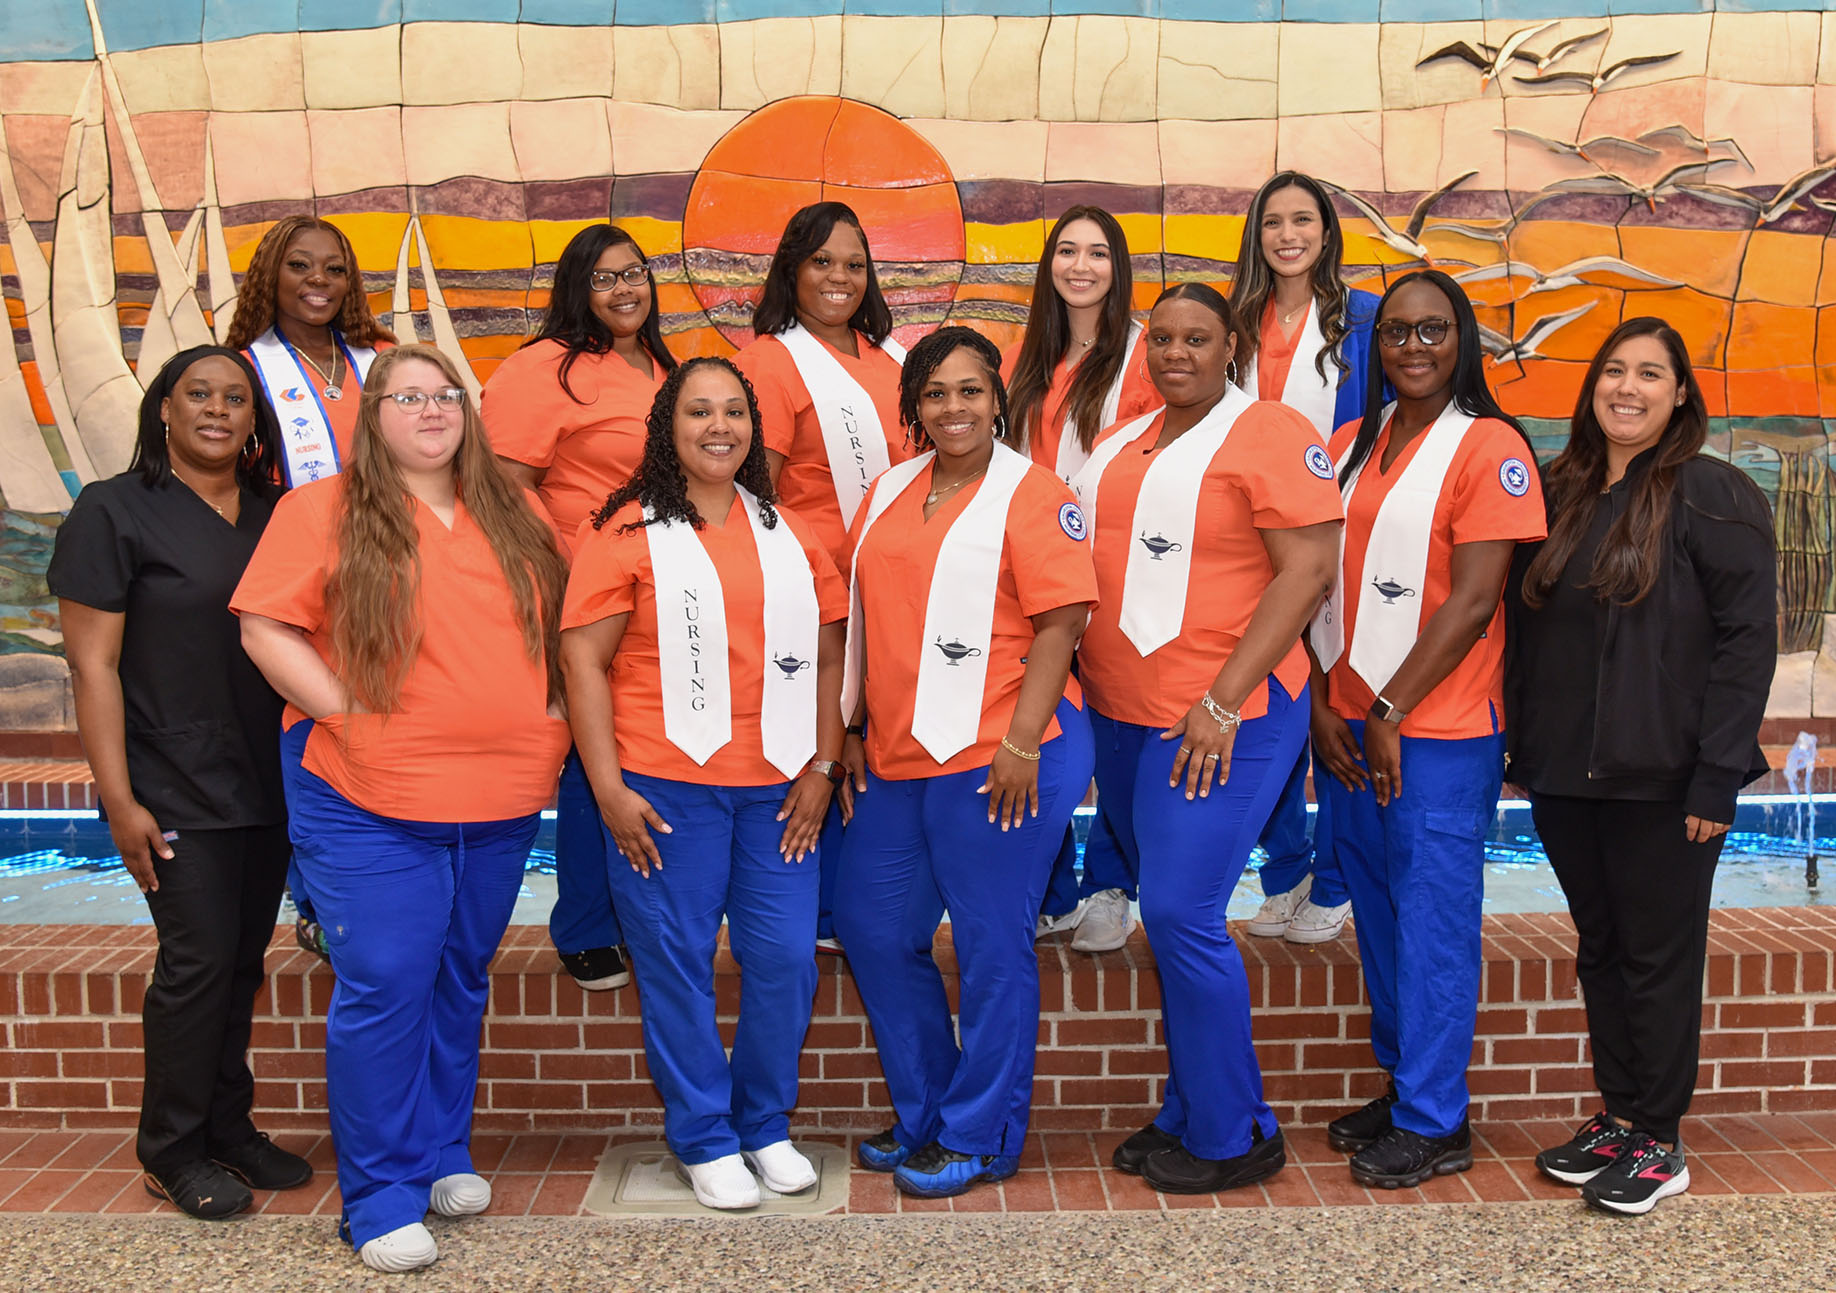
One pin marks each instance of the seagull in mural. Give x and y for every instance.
(1506, 351)
(1652, 193)
(1408, 242)
(1597, 81)
(1681, 134)
(1789, 194)
(1491, 59)
(1567, 45)
(1583, 151)
(1587, 270)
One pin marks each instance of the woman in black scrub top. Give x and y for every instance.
(183, 736)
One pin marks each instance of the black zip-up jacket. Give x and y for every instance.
(1682, 676)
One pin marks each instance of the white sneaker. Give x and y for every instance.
(1314, 924)
(1059, 924)
(406, 1248)
(828, 947)
(1277, 913)
(723, 1183)
(463, 1194)
(781, 1167)
(1106, 923)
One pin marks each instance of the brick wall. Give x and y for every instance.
(557, 1058)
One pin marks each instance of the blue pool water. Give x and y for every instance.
(65, 870)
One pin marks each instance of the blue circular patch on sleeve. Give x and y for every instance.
(1514, 476)
(1071, 521)
(1319, 462)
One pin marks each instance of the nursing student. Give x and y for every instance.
(179, 729)
(408, 610)
(1314, 354)
(972, 582)
(1080, 367)
(305, 324)
(717, 619)
(566, 416)
(1215, 523)
(1408, 710)
(826, 371)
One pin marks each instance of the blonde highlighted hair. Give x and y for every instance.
(371, 594)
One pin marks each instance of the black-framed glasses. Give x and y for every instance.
(1430, 332)
(451, 397)
(604, 280)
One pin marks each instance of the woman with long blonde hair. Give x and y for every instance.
(408, 610)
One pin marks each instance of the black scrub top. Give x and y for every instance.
(203, 726)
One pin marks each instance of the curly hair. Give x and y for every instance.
(1048, 336)
(658, 483)
(372, 590)
(922, 360)
(256, 469)
(255, 305)
(804, 236)
(569, 318)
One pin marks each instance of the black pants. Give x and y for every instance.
(1639, 894)
(214, 910)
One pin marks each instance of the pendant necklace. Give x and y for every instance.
(333, 391)
(930, 499)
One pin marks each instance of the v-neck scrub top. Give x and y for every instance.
(472, 739)
(1137, 396)
(612, 575)
(202, 724)
(587, 446)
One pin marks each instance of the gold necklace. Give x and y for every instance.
(931, 498)
(333, 391)
(200, 493)
(1287, 320)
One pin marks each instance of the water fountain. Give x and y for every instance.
(1800, 780)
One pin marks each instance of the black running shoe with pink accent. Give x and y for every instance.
(1594, 1148)
(1642, 1174)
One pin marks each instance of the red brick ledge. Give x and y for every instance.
(557, 1059)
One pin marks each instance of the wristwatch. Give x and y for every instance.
(830, 769)
(1384, 712)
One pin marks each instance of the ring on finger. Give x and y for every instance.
(1211, 756)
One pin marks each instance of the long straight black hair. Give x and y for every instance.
(1470, 393)
(259, 461)
(569, 318)
(804, 235)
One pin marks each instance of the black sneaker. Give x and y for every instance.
(1400, 1159)
(1643, 1173)
(263, 1165)
(1132, 1153)
(597, 969)
(1179, 1171)
(201, 1189)
(1594, 1149)
(1362, 1126)
(882, 1153)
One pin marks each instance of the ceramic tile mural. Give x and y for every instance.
(1571, 161)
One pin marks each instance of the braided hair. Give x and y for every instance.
(922, 360)
(658, 483)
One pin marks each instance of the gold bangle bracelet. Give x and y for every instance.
(1011, 748)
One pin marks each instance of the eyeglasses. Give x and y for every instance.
(452, 397)
(1430, 332)
(604, 280)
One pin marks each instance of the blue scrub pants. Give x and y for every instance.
(1416, 871)
(914, 849)
(1189, 855)
(1291, 856)
(583, 917)
(828, 854)
(721, 858)
(412, 913)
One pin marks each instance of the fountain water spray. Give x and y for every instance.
(1800, 779)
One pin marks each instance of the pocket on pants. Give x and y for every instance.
(1461, 823)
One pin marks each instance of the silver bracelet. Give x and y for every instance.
(1228, 719)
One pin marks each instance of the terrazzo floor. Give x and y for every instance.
(1763, 1207)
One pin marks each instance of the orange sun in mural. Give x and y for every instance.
(818, 148)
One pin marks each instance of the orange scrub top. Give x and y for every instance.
(612, 575)
(788, 421)
(472, 740)
(1138, 396)
(1258, 480)
(341, 415)
(1275, 352)
(587, 447)
(1475, 506)
(1045, 564)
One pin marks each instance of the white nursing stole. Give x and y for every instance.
(309, 450)
(959, 610)
(1071, 453)
(851, 432)
(1395, 560)
(1165, 521)
(1305, 391)
(692, 641)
